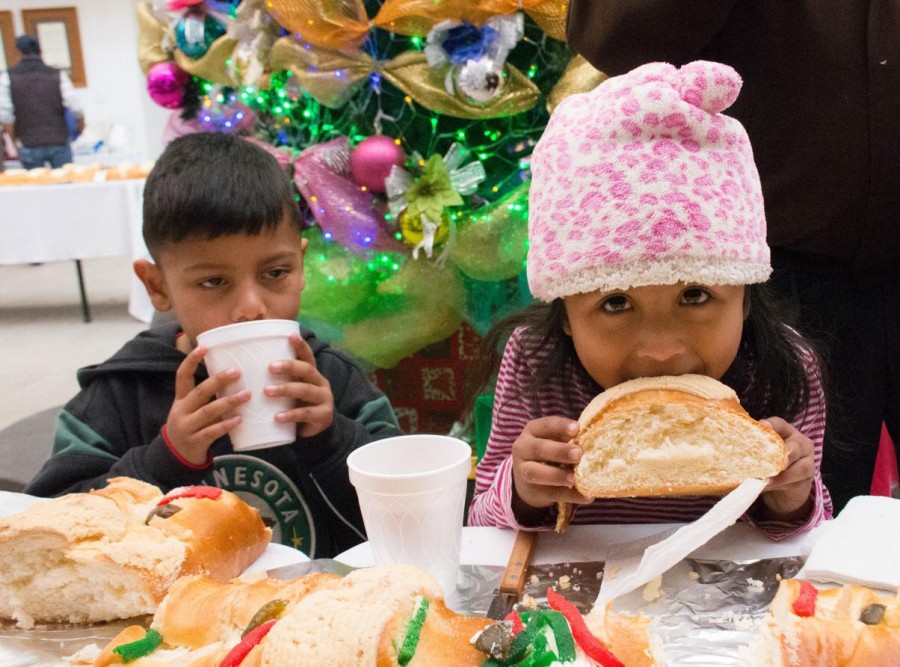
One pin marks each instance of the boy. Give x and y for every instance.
(223, 229)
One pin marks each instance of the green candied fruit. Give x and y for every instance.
(559, 626)
(523, 641)
(413, 630)
(268, 612)
(138, 649)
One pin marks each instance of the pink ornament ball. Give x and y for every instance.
(166, 83)
(371, 161)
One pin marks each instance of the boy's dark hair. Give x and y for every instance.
(210, 185)
(768, 374)
(28, 45)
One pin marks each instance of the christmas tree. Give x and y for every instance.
(407, 126)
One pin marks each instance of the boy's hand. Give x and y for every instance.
(787, 494)
(543, 459)
(196, 420)
(304, 383)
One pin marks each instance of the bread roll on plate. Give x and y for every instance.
(672, 436)
(114, 552)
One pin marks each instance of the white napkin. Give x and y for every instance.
(861, 546)
(639, 562)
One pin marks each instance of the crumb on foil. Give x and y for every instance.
(653, 590)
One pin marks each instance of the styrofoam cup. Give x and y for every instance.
(251, 347)
(412, 493)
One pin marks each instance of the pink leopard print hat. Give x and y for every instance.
(642, 181)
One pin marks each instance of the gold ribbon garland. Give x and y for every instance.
(580, 77)
(152, 33)
(417, 17)
(411, 73)
(344, 24)
(331, 70)
(326, 24)
(213, 66)
(330, 77)
(550, 15)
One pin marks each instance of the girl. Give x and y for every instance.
(648, 248)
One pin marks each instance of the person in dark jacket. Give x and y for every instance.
(223, 229)
(820, 102)
(33, 102)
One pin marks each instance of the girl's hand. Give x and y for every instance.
(196, 420)
(304, 383)
(543, 459)
(787, 494)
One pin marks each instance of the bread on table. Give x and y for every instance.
(15, 176)
(365, 618)
(38, 175)
(113, 553)
(128, 170)
(199, 611)
(672, 435)
(850, 626)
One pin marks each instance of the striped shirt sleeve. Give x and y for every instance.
(492, 501)
(811, 423)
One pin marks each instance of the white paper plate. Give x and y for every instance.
(11, 503)
(276, 555)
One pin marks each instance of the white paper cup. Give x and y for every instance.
(252, 346)
(412, 493)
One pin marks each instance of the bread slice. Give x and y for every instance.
(671, 436)
(101, 556)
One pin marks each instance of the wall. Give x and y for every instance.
(115, 93)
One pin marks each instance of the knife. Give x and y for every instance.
(513, 581)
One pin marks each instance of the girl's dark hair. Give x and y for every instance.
(768, 374)
(209, 185)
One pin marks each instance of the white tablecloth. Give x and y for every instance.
(74, 221)
(492, 546)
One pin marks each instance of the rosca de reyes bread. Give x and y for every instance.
(672, 435)
(383, 615)
(113, 553)
(849, 626)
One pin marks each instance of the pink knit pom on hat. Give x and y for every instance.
(642, 181)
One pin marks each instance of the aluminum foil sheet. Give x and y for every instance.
(702, 611)
(477, 584)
